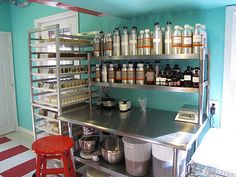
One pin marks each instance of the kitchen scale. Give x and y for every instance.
(188, 113)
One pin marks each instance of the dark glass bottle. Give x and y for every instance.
(176, 69)
(167, 70)
(150, 75)
(195, 78)
(188, 77)
(118, 74)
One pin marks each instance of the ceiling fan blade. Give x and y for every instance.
(68, 7)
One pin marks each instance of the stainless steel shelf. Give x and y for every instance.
(44, 89)
(114, 170)
(45, 117)
(40, 105)
(61, 58)
(44, 128)
(46, 44)
(74, 102)
(147, 87)
(151, 57)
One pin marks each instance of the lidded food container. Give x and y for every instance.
(137, 156)
(162, 161)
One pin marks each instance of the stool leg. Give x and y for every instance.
(38, 165)
(72, 169)
(44, 166)
(65, 165)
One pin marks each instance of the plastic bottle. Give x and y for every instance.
(197, 38)
(140, 42)
(168, 38)
(108, 44)
(177, 40)
(157, 40)
(125, 41)
(187, 40)
(133, 41)
(116, 42)
(147, 42)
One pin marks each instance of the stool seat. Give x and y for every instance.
(54, 147)
(55, 144)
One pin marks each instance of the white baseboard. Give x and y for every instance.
(30, 132)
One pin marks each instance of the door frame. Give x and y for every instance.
(12, 77)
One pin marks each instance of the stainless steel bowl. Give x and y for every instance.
(112, 150)
(89, 143)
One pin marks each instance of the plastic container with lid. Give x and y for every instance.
(162, 161)
(137, 156)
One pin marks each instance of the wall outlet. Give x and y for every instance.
(216, 102)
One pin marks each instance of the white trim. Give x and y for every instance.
(12, 77)
(58, 16)
(229, 94)
(21, 129)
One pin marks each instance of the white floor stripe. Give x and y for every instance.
(16, 160)
(7, 145)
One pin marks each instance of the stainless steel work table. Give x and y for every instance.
(156, 126)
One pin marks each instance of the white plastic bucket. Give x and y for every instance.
(137, 156)
(162, 161)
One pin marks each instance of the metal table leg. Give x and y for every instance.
(70, 135)
(175, 170)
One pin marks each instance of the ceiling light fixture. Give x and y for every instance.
(19, 4)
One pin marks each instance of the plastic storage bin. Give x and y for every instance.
(137, 156)
(162, 161)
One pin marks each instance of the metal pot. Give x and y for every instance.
(89, 143)
(112, 150)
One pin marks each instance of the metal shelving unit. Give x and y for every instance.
(54, 62)
(204, 65)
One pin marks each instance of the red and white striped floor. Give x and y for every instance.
(16, 160)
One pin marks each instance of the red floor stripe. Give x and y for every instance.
(20, 170)
(12, 152)
(4, 140)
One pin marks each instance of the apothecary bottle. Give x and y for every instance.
(131, 73)
(104, 73)
(111, 74)
(187, 40)
(108, 44)
(147, 42)
(124, 74)
(96, 45)
(177, 40)
(168, 38)
(118, 74)
(150, 75)
(140, 74)
(195, 78)
(188, 77)
(98, 73)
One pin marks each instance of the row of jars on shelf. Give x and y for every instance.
(74, 69)
(146, 74)
(65, 84)
(166, 40)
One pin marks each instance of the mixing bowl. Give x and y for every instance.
(88, 143)
(112, 150)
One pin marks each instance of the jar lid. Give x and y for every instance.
(147, 30)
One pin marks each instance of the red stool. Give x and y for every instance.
(54, 147)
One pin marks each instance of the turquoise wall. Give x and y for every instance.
(5, 16)
(22, 20)
(214, 20)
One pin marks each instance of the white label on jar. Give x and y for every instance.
(116, 44)
(124, 43)
(177, 40)
(130, 75)
(196, 79)
(187, 40)
(150, 76)
(156, 40)
(187, 77)
(133, 41)
(111, 74)
(197, 38)
(139, 75)
(168, 40)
